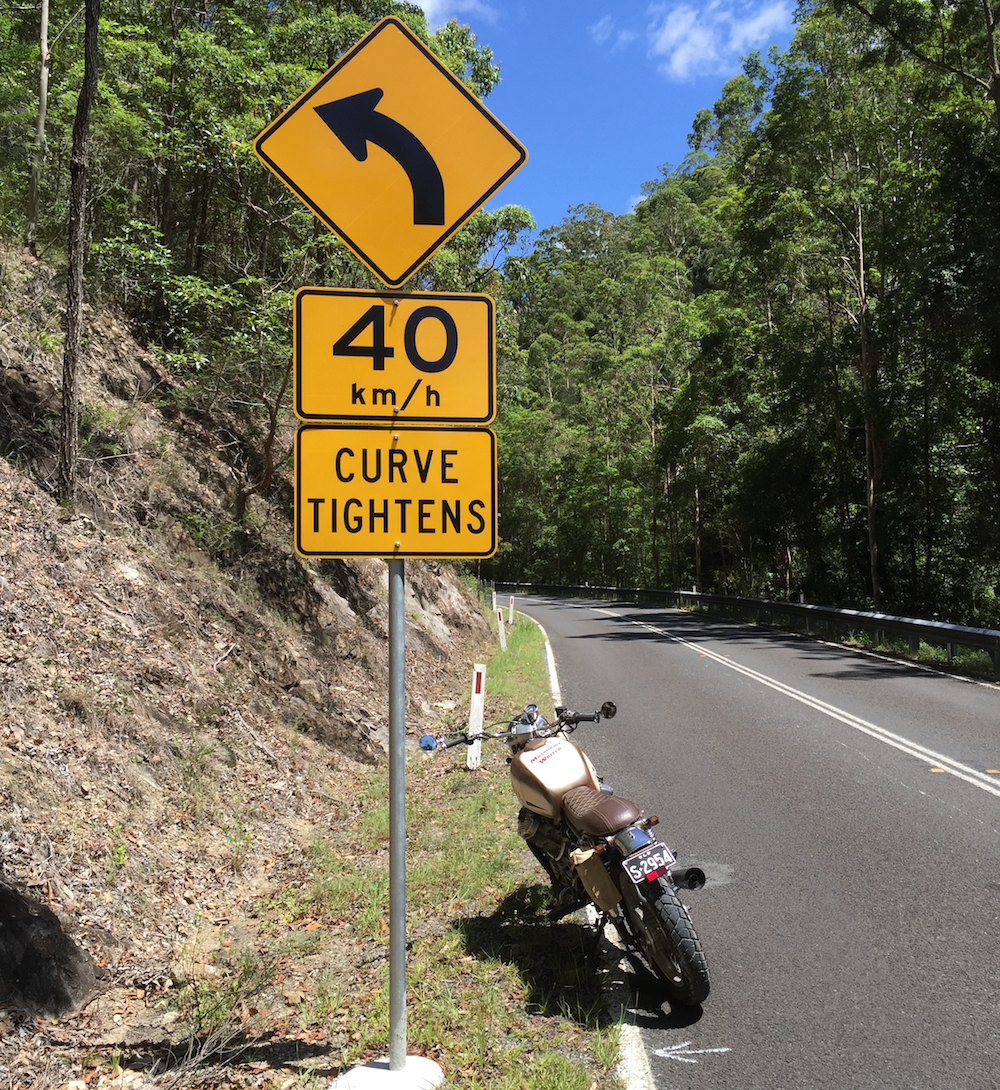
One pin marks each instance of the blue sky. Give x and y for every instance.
(602, 92)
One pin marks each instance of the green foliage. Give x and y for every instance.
(778, 374)
(189, 235)
(456, 45)
(118, 856)
(103, 430)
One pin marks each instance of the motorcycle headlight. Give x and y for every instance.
(529, 725)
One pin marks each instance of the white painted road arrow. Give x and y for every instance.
(684, 1054)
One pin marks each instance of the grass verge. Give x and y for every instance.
(497, 994)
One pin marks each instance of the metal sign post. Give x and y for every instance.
(369, 366)
(397, 817)
(402, 1071)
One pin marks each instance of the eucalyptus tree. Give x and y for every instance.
(43, 97)
(956, 38)
(837, 180)
(79, 167)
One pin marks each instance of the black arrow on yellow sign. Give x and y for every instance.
(356, 123)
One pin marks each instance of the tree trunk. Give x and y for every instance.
(697, 530)
(993, 58)
(43, 96)
(69, 439)
(669, 525)
(274, 407)
(655, 543)
(873, 443)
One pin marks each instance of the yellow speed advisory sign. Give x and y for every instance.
(406, 357)
(395, 492)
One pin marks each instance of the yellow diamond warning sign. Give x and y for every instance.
(391, 150)
(395, 492)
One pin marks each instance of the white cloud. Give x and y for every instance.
(438, 12)
(603, 31)
(711, 39)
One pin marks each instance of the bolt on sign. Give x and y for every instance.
(417, 357)
(395, 492)
(391, 151)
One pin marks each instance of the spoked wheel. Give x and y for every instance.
(663, 934)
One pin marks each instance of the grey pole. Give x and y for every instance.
(397, 818)
(402, 1072)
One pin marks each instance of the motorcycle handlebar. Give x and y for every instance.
(564, 719)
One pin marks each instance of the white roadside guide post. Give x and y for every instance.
(494, 597)
(503, 630)
(477, 707)
(510, 615)
(369, 481)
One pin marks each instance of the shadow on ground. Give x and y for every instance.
(570, 968)
(191, 1062)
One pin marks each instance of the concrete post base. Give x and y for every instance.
(418, 1073)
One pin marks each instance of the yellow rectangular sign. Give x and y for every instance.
(406, 357)
(395, 492)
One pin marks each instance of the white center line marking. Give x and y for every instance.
(905, 745)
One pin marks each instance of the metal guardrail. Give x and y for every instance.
(950, 636)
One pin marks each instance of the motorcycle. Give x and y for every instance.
(598, 847)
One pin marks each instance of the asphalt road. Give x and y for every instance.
(842, 808)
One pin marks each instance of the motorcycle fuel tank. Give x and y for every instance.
(545, 770)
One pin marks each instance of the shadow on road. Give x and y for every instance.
(698, 628)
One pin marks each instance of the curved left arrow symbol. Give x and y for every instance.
(356, 124)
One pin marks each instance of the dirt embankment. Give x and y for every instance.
(184, 704)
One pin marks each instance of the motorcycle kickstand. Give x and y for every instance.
(599, 926)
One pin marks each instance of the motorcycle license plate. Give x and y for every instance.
(650, 863)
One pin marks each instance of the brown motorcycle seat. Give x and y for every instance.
(598, 814)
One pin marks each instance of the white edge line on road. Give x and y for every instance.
(550, 661)
(905, 745)
(633, 1063)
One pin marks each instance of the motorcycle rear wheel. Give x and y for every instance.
(662, 931)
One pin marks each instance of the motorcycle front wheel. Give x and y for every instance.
(662, 931)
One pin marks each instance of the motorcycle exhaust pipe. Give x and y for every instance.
(687, 877)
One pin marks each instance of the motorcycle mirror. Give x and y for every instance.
(428, 742)
(608, 709)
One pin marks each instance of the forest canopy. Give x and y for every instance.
(779, 374)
